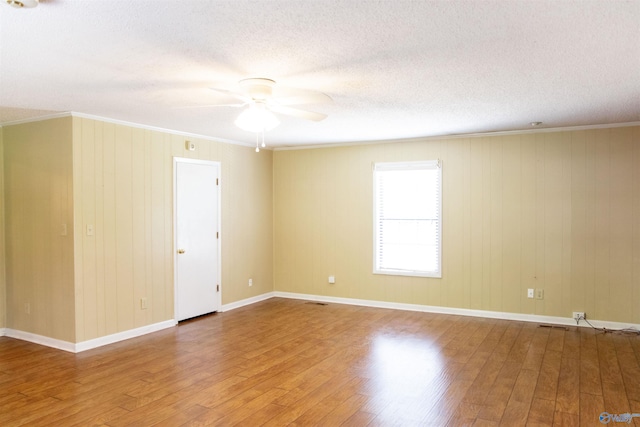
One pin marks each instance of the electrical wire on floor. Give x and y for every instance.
(625, 331)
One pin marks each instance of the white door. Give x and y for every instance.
(197, 250)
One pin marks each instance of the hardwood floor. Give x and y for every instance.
(288, 362)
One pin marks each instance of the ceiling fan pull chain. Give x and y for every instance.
(257, 140)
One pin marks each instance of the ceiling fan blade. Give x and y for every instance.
(312, 98)
(295, 112)
(236, 95)
(213, 105)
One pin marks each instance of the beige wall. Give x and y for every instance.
(553, 211)
(123, 186)
(38, 201)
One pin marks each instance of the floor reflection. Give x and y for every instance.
(406, 375)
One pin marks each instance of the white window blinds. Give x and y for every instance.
(408, 206)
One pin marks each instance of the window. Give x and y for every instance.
(407, 223)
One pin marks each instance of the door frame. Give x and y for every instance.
(177, 160)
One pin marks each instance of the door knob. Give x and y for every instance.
(180, 251)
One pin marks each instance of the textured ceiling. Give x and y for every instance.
(395, 69)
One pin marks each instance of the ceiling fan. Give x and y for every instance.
(257, 95)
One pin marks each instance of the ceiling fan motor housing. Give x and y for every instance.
(258, 88)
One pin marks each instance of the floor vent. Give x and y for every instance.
(316, 303)
(564, 328)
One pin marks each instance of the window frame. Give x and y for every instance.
(408, 165)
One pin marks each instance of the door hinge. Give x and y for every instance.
(217, 288)
(216, 181)
(217, 235)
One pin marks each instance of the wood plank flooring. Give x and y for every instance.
(293, 363)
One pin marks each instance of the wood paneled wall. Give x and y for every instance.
(119, 180)
(38, 205)
(554, 211)
(123, 182)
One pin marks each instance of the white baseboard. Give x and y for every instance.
(132, 333)
(89, 344)
(247, 301)
(459, 311)
(42, 340)
(124, 335)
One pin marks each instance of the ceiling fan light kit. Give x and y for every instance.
(257, 118)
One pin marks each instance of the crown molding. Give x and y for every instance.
(328, 145)
(160, 129)
(460, 136)
(36, 119)
(125, 123)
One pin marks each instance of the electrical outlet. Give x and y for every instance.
(539, 293)
(530, 293)
(579, 315)
(250, 282)
(332, 279)
(143, 303)
(27, 307)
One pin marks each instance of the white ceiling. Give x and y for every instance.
(395, 69)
